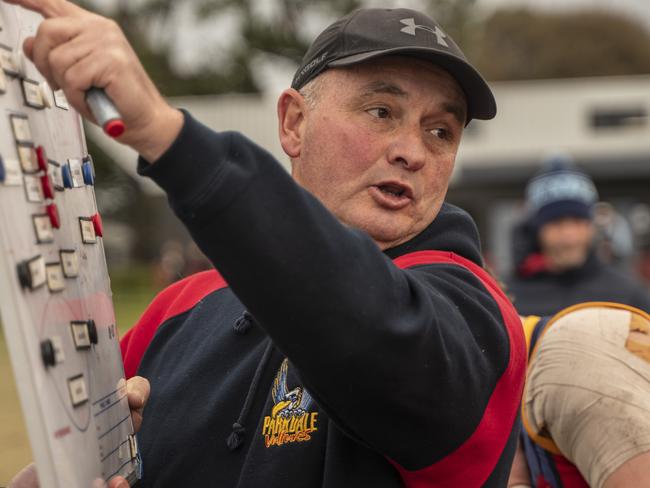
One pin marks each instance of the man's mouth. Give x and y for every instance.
(392, 195)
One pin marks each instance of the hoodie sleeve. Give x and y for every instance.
(405, 360)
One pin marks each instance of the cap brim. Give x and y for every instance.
(480, 100)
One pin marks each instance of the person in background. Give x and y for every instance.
(586, 404)
(555, 262)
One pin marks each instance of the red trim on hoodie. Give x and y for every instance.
(173, 300)
(472, 463)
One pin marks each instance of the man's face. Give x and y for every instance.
(565, 242)
(378, 146)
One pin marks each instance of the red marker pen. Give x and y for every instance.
(105, 112)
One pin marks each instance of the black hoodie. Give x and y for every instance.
(404, 368)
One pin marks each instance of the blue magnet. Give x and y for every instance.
(66, 176)
(88, 171)
(2, 170)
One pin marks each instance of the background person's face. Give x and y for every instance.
(379, 145)
(566, 242)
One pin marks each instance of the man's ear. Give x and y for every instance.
(291, 117)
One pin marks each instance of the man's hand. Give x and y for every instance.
(137, 394)
(75, 50)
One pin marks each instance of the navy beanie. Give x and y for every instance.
(559, 190)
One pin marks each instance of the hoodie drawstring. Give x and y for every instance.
(236, 437)
(243, 323)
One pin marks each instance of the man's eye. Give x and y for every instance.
(379, 112)
(440, 133)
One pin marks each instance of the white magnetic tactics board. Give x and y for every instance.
(55, 297)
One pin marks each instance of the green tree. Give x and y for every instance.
(521, 44)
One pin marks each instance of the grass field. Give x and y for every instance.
(130, 297)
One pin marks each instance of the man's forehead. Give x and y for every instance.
(390, 75)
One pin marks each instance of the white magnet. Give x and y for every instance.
(88, 235)
(33, 94)
(28, 159)
(78, 391)
(57, 343)
(33, 189)
(70, 263)
(55, 278)
(20, 127)
(80, 334)
(13, 174)
(77, 173)
(43, 228)
(60, 100)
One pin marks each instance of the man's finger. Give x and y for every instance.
(52, 33)
(27, 478)
(49, 8)
(137, 391)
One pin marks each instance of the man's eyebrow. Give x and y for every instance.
(382, 87)
(458, 111)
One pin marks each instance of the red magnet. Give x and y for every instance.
(48, 189)
(41, 157)
(97, 224)
(53, 213)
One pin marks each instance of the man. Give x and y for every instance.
(350, 337)
(556, 266)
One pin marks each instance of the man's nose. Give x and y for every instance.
(408, 149)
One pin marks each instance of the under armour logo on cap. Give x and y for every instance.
(411, 27)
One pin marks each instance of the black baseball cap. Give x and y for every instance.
(370, 33)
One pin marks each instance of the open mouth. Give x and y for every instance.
(395, 190)
(392, 195)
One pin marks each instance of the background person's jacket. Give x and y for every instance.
(399, 373)
(536, 291)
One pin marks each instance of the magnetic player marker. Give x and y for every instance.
(66, 176)
(41, 158)
(33, 189)
(48, 188)
(76, 173)
(54, 170)
(2, 170)
(55, 278)
(53, 213)
(32, 94)
(88, 235)
(92, 331)
(31, 273)
(88, 171)
(43, 228)
(46, 94)
(133, 446)
(98, 225)
(78, 391)
(48, 354)
(13, 173)
(80, 334)
(60, 100)
(59, 354)
(8, 61)
(69, 262)
(20, 128)
(28, 158)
